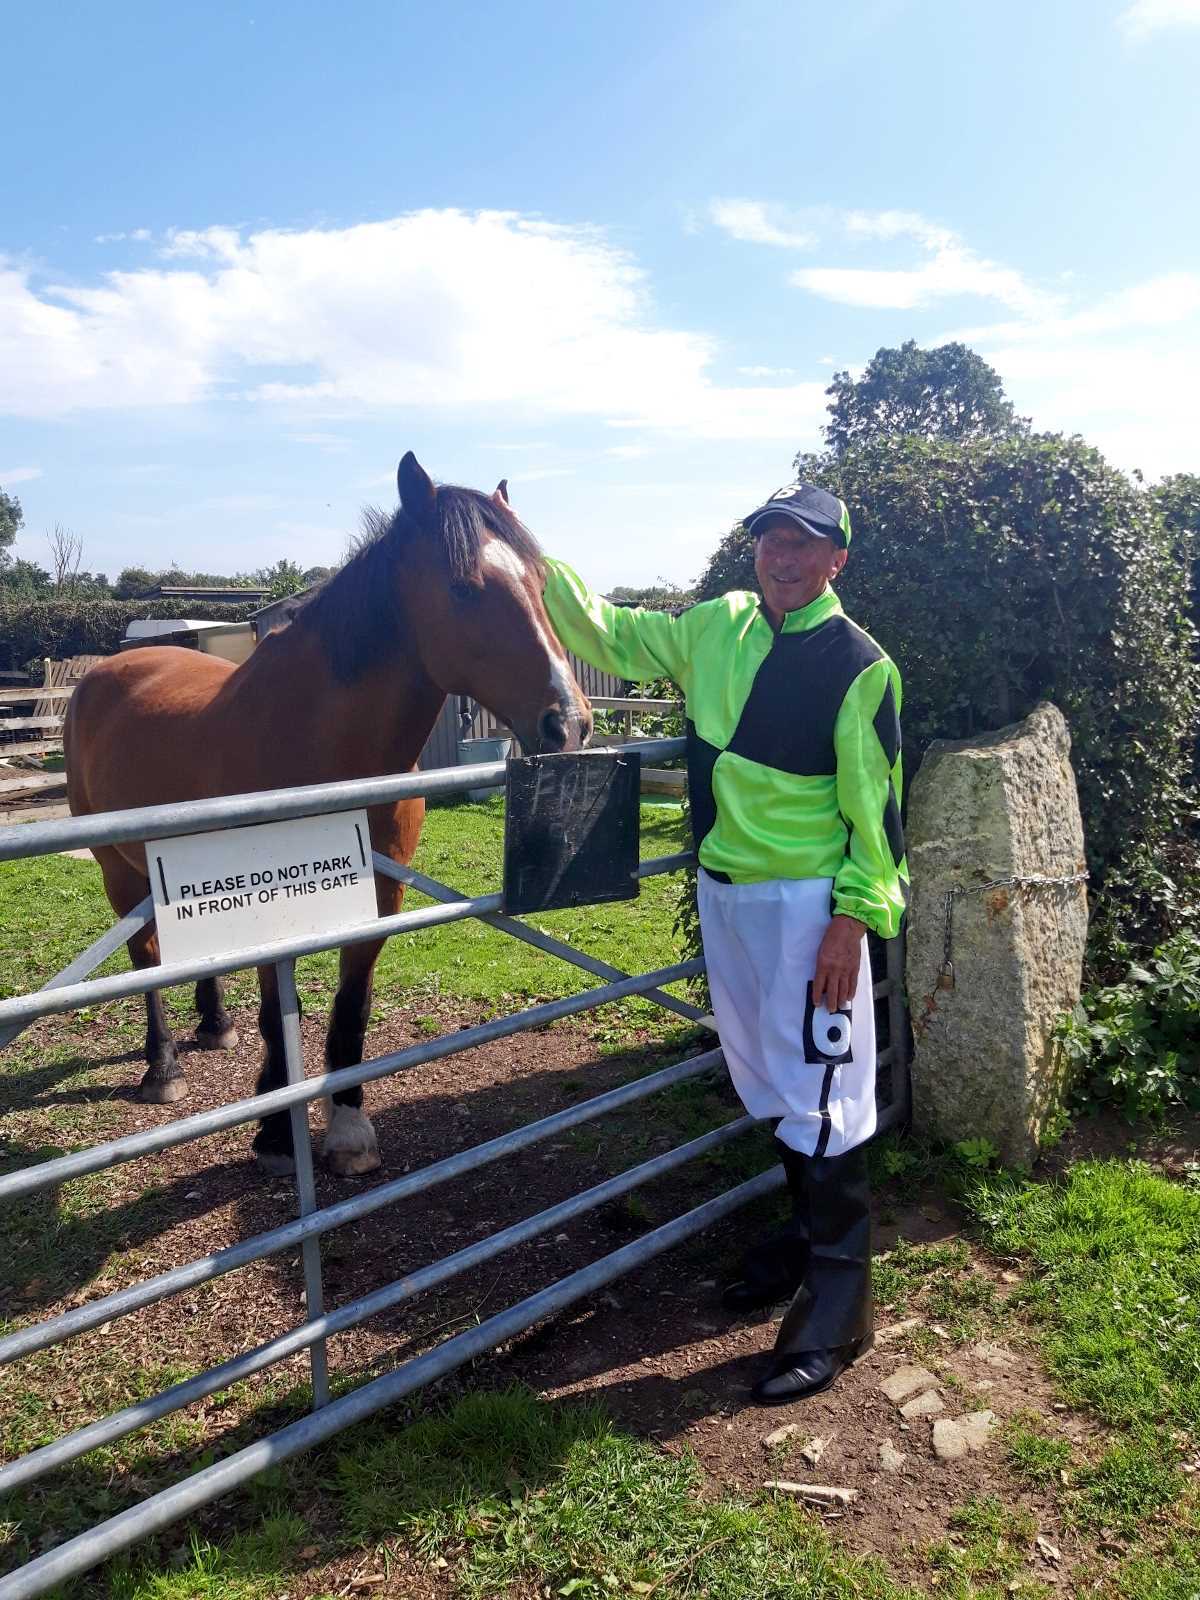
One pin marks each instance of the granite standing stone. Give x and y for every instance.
(1000, 806)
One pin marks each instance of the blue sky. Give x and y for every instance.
(249, 254)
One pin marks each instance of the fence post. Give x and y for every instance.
(306, 1193)
(898, 1028)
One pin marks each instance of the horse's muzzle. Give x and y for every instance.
(556, 732)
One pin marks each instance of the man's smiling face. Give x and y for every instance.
(792, 565)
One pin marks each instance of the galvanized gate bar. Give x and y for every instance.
(160, 1510)
(532, 936)
(271, 805)
(897, 1050)
(64, 993)
(111, 1428)
(45, 1174)
(45, 1002)
(140, 981)
(306, 1189)
(150, 1290)
(94, 956)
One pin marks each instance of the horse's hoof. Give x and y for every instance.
(163, 1092)
(352, 1163)
(275, 1163)
(217, 1041)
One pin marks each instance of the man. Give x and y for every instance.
(794, 779)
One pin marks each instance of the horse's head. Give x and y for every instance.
(473, 597)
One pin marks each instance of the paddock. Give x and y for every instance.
(71, 990)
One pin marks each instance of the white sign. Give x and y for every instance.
(219, 892)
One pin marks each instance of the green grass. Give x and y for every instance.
(1116, 1286)
(55, 907)
(503, 1489)
(937, 1282)
(1114, 1294)
(1037, 1457)
(1170, 1573)
(989, 1541)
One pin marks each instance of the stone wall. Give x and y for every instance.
(997, 807)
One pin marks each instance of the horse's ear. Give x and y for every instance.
(501, 494)
(417, 494)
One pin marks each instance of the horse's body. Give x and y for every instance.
(445, 599)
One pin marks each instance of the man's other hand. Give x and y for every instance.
(838, 960)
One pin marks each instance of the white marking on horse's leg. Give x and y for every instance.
(350, 1146)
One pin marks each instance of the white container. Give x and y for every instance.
(474, 752)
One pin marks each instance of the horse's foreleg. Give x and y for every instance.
(163, 1082)
(216, 1030)
(350, 1147)
(273, 1147)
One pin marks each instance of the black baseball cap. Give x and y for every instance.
(816, 509)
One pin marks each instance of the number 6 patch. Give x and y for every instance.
(827, 1034)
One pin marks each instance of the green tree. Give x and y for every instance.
(661, 596)
(946, 393)
(25, 578)
(284, 578)
(11, 523)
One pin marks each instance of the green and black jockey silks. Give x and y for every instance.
(794, 761)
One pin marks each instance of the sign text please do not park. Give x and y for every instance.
(220, 892)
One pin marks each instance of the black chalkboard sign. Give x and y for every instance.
(571, 830)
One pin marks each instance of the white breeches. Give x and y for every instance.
(813, 1069)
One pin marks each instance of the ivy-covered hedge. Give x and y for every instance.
(33, 629)
(1006, 572)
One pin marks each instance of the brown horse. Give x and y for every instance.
(445, 599)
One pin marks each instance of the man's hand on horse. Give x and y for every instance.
(836, 977)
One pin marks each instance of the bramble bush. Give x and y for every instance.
(1136, 1046)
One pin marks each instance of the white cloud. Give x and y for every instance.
(767, 372)
(951, 269)
(898, 225)
(1121, 371)
(329, 443)
(628, 452)
(759, 223)
(1159, 302)
(138, 235)
(444, 310)
(1145, 17)
(19, 475)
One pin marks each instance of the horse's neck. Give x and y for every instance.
(320, 730)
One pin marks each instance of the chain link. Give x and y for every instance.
(1028, 881)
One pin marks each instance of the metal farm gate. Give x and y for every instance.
(68, 991)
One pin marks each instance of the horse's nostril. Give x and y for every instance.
(553, 731)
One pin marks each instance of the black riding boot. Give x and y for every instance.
(830, 1322)
(773, 1269)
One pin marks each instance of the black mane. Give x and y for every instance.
(355, 612)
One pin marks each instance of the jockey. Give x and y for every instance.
(794, 778)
